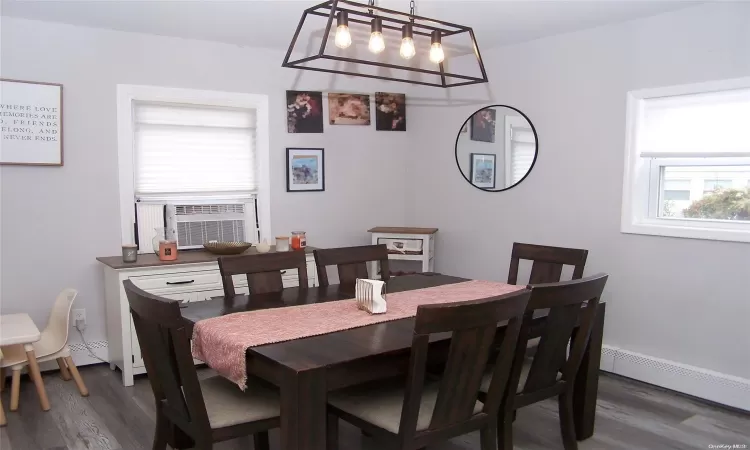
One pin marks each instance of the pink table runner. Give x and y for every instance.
(222, 342)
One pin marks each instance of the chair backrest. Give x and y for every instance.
(547, 263)
(572, 309)
(55, 334)
(165, 347)
(263, 271)
(474, 326)
(351, 262)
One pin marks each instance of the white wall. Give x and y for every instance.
(678, 299)
(56, 221)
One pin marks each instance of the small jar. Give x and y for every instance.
(167, 250)
(299, 241)
(282, 243)
(129, 253)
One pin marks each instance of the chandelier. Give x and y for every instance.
(430, 52)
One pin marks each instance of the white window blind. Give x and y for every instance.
(189, 149)
(696, 125)
(522, 152)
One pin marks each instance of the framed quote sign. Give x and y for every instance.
(30, 123)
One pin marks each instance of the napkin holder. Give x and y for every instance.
(370, 295)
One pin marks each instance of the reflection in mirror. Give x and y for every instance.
(496, 148)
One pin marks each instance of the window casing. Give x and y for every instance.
(687, 162)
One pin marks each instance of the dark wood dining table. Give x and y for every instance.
(305, 370)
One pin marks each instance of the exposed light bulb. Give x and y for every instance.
(343, 37)
(437, 55)
(407, 48)
(377, 43)
(407, 42)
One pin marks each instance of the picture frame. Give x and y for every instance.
(304, 111)
(483, 170)
(390, 111)
(305, 170)
(483, 125)
(349, 109)
(31, 123)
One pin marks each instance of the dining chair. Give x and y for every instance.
(547, 262)
(263, 271)
(551, 370)
(53, 345)
(418, 413)
(351, 262)
(192, 413)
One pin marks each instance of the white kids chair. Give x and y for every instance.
(53, 344)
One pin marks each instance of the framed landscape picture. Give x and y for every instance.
(30, 123)
(483, 170)
(483, 125)
(349, 109)
(305, 170)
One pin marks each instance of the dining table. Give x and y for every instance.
(305, 370)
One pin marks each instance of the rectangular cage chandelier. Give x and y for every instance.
(365, 40)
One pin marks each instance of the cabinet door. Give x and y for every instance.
(136, 346)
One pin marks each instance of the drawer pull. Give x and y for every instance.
(283, 272)
(180, 282)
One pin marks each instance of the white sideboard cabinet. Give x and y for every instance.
(193, 277)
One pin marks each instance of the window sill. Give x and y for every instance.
(689, 232)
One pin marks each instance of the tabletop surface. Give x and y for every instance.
(328, 349)
(18, 329)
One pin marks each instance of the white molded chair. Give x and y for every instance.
(53, 345)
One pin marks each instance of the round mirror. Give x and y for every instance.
(496, 148)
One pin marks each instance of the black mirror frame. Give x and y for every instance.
(458, 136)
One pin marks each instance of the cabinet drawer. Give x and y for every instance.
(179, 282)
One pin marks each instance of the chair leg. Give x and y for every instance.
(3, 420)
(161, 433)
(488, 437)
(332, 432)
(64, 372)
(567, 425)
(505, 430)
(260, 441)
(36, 376)
(76, 376)
(2, 379)
(15, 389)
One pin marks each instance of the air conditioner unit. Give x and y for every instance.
(197, 224)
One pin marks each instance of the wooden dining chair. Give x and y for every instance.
(263, 271)
(192, 413)
(551, 371)
(351, 262)
(416, 414)
(547, 262)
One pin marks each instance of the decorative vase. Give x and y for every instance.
(263, 247)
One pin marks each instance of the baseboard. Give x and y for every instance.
(81, 355)
(707, 384)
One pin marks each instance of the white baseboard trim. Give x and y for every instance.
(702, 383)
(82, 357)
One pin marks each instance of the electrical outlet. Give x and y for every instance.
(79, 314)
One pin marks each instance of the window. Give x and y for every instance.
(195, 162)
(520, 149)
(688, 161)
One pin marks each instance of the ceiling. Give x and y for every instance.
(271, 23)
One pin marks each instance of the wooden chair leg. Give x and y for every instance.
(488, 437)
(36, 376)
(260, 441)
(64, 372)
(567, 425)
(76, 376)
(332, 432)
(3, 420)
(505, 430)
(161, 433)
(2, 379)
(15, 390)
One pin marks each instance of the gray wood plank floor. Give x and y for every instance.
(630, 415)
